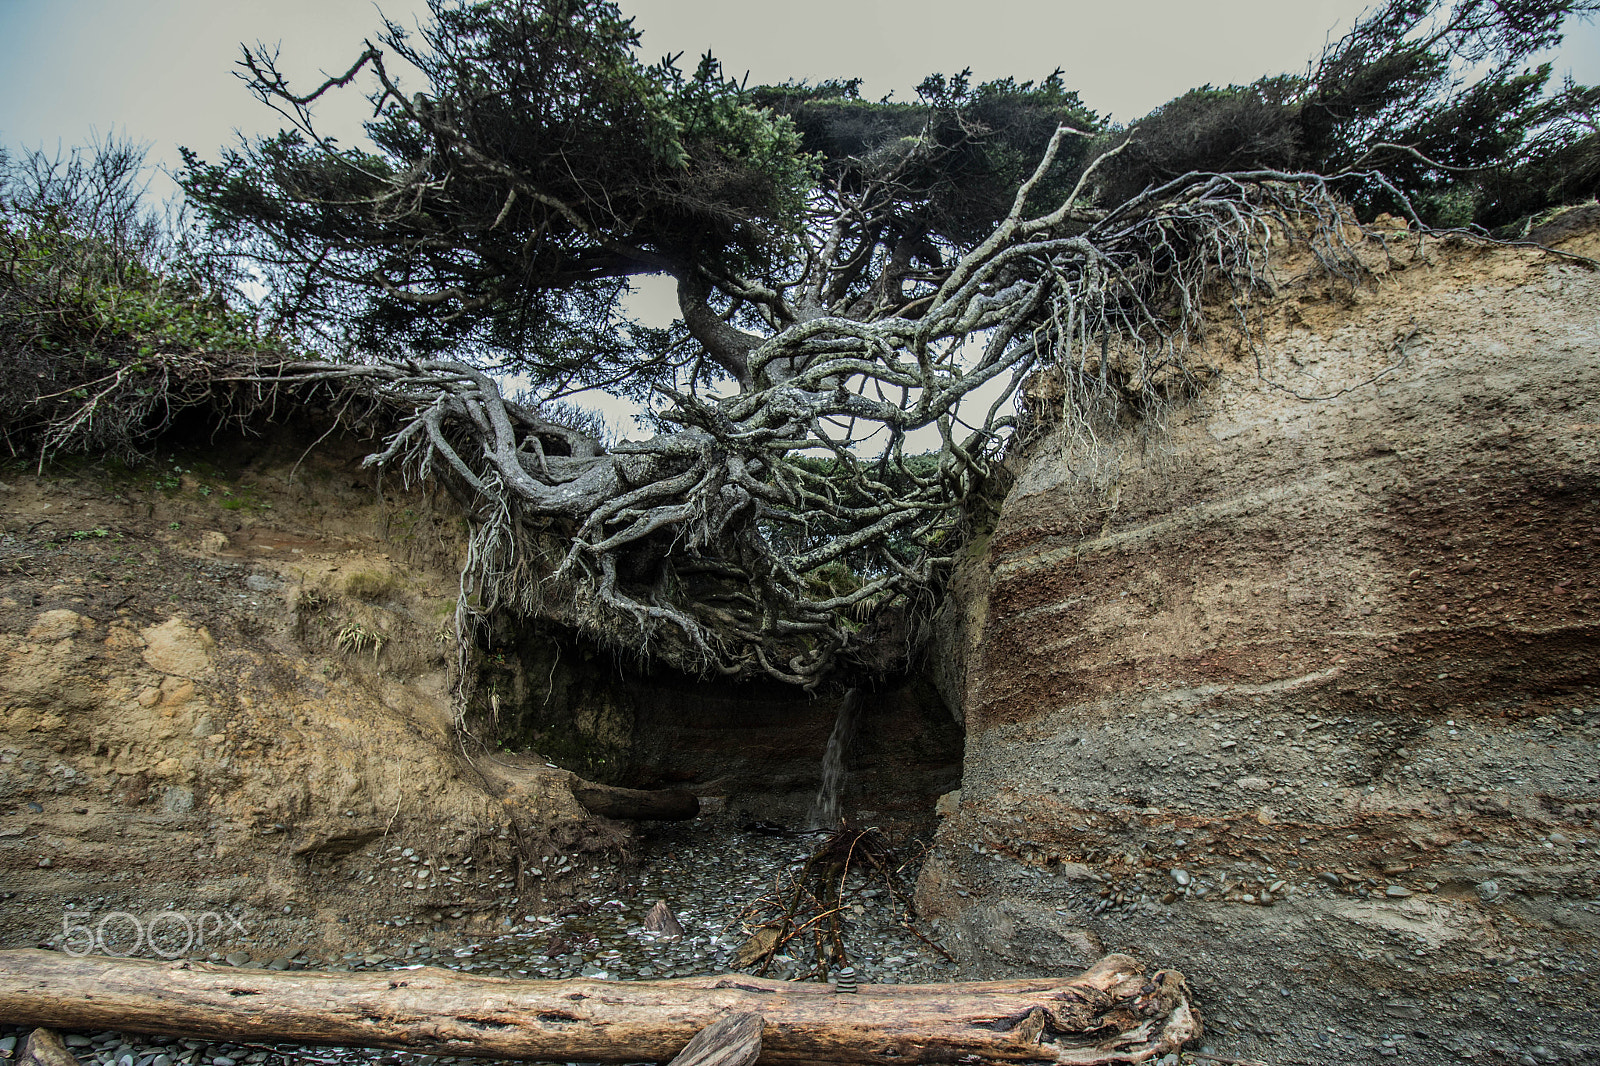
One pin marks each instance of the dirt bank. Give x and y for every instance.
(1300, 696)
(224, 688)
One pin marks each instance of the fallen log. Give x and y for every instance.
(1111, 1013)
(662, 805)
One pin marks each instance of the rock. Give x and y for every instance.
(178, 800)
(1558, 838)
(948, 804)
(1489, 891)
(660, 919)
(1182, 877)
(45, 1048)
(174, 647)
(238, 958)
(262, 583)
(1397, 892)
(1329, 877)
(52, 626)
(212, 542)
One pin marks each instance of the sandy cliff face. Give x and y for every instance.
(1300, 696)
(223, 689)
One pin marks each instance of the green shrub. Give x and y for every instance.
(105, 306)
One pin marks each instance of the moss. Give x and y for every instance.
(369, 585)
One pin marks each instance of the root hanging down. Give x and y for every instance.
(778, 530)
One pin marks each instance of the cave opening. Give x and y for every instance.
(751, 748)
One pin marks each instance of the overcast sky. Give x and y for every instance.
(161, 70)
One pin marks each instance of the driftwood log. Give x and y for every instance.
(1111, 1013)
(663, 805)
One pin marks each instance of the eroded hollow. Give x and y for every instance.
(752, 748)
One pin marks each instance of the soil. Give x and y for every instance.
(225, 689)
(1298, 696)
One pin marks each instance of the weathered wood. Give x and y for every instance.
(664, 805)
(1111, 1013)
(660, 919)
(733, 1041)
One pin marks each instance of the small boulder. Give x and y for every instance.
(173, 647)
(660, 919)
(52, 626)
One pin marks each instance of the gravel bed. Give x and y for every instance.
(710, 874)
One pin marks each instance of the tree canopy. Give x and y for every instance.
(848, 272)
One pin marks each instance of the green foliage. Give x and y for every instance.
(97, 296)
(505, 207)
(960, 149)
(1435, 95)
(1241, 127)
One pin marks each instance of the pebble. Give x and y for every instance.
(1397, 892)
(8, 1044)
(1182, 878)
(706, 874)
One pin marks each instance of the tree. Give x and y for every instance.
(1424, 108)
(847, 272)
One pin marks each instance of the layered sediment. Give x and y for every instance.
(1298, 692)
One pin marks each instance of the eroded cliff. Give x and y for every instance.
(224, 688)
(1299, 693)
